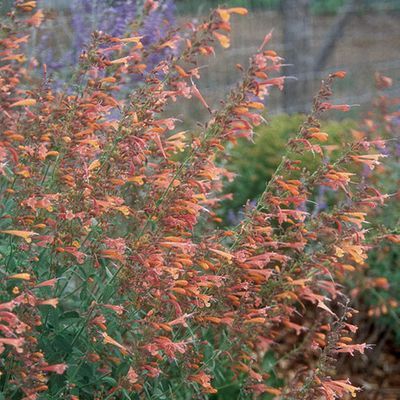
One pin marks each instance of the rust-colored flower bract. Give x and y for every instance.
(116, 280)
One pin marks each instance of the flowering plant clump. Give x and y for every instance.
(116, 282)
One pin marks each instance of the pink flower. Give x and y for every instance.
(57, 368)
(16, 343)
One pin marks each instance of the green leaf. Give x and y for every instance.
(110, 381)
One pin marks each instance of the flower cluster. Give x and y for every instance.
(117, 280)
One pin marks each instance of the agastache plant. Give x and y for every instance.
(116, 280)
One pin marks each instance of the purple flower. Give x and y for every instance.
(235, 217)
(321, 200)
(113, 17)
